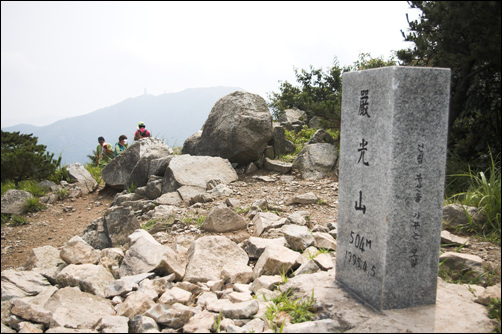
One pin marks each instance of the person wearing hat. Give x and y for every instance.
(104, 152)
(121, 145)
(141, 132)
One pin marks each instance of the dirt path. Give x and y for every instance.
(53, 226)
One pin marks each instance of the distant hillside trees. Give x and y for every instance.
(24, 159)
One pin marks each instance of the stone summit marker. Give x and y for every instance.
(392, 170)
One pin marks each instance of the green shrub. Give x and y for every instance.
(300, 310)
(483, 192)
(18, 220)
(33, 204)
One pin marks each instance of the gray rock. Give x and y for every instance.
(14, 201)
(238, 128)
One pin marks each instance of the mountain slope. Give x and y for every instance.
(171, 117)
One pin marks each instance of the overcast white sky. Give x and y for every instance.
(63, 59)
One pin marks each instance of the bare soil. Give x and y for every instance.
(59, 222)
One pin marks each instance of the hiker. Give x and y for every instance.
(104, 152)
(121, 145)
(141, 132)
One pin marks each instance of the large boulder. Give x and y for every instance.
(196, 171)
(293, 119)
(238, 128)
(14, 201)
(82, 177)
(132, 166)
(316, 161)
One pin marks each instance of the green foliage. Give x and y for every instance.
(494, 311)
(33, 205)
(18, 220)
(197, 220)
(33, 188)
(62, 193)
(5, 217)
(300, 138)
(60, 174)
(299, 310)
(319, 94)
(132, 187)
(465, 37)
(483, 192)
(95, 171)
(217, 324)
(453, 275)
(149, 224)
(366, 62)
(24, 159)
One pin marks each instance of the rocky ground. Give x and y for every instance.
(61, 221)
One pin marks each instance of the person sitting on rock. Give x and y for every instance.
(142, 132)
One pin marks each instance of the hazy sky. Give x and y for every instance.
(63, 59)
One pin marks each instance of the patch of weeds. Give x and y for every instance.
(284, 276)
(33, 188)
(465, 276)
(217, 324)
(17, 220)
(33, 205)
(149, 224)
(132, 187)
(5, 218)
(95, 171)
(321, 201)
(324, 250)
(197, 220)
(299, 310)
(494, 312)
(241, 210)
(62, 193)
(309, 255)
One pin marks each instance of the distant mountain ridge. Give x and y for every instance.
(171, 117)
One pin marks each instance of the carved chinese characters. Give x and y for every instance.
(392, 163)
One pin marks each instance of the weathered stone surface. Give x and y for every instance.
(17, 283)
(276, 260)
(73, 308)
(208, 255)
(81, 176)
(316, 161)
(238, 128)
(14, 200)
(122, 171)
(119, 222)
(298, 237)
(88, 277)
(458, 215)
(187, 170)
(392, 170)
(223, 220)
(77, 251)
